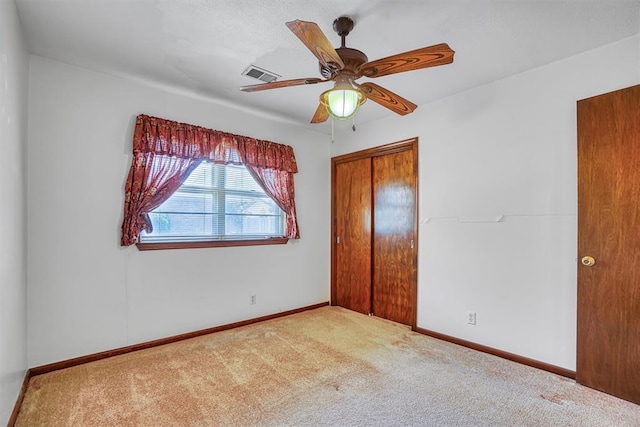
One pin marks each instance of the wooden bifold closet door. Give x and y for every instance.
(374, 223)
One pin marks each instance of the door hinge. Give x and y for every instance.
(411, 243)
(338, 240)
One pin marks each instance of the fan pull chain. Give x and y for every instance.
(332, 128)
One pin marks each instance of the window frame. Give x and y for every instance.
(226, 241)
(152, 246)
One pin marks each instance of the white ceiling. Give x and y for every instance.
(203, 46)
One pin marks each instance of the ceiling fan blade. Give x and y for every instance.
(321, 114)
(313, 37)
(387, 99)
(281, 83)
(431, 56)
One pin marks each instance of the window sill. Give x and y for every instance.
(211, 244)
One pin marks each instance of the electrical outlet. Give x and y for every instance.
(253, 299)
(471, 317)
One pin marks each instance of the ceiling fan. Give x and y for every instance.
(345, 65)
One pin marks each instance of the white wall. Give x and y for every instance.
(507, 148)
(13, 277)
(86, 293)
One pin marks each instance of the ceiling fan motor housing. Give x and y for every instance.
(353, 60)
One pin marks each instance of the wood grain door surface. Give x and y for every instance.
(394, 269)
(608, 346)
(352, 204)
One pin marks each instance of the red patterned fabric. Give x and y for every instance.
(153, 178)
(279, 186)
(166, 152)
(160, 136)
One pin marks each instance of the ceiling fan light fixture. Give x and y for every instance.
(342, 102)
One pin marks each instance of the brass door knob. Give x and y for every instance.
(588, 261)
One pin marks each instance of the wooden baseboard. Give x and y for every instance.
(16, 408)
(505, 355)
(39, 370)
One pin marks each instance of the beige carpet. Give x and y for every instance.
(325, 367)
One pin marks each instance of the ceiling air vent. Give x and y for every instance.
(260, 74)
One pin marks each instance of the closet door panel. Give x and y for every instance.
(353, 235)
(394, 260)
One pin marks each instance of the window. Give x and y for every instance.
(216, 206)
(216, 202)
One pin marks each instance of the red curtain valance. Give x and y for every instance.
(160, 136)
